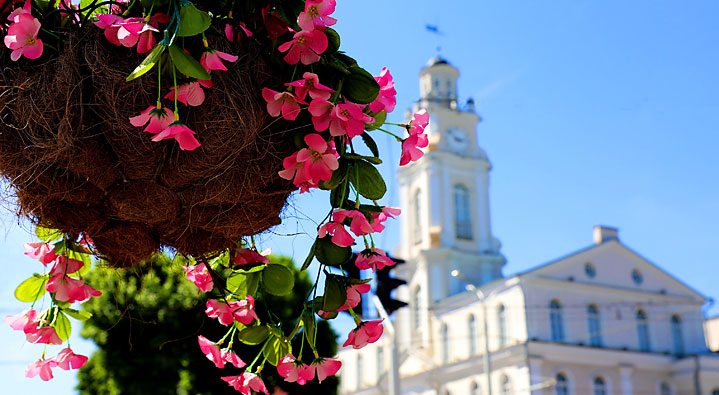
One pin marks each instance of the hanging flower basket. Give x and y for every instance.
(78, 165)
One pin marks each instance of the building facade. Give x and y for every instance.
(602, 320)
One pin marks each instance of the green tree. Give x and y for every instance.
(146, 325)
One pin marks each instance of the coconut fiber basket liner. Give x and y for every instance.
(75, 162)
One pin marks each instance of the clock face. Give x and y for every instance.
(458, 141)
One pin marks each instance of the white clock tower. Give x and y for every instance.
(445, 201)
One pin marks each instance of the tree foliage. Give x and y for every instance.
(146, 325)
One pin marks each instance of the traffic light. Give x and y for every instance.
(385, 284)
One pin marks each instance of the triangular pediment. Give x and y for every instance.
(614, 265)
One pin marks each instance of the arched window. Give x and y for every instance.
(418, 307)
(462, 214)
(474, 389)
(555, 319)
(417, 220)
(643, 331)
(665, 389)
(562, 386)
(444, 335)
(595, 329)
(506, 385)
(472, 324)
(677, 337)
(599, 386)
(590, 270)
(502, 325)
(359, 371)
(380, 362)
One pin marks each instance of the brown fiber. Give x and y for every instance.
(76, 163)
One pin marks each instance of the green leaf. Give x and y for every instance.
(46, 234)
(379, 118)
(253, 335)
(371, 159)
(333, 41)
(148, 63)
(62, 326)
(330, 254)
(308, 319)
(338, 177)
(84, 258)
(254, 269)
(352, 281)
(237, 284)
(80, 315)
(335, 294)
(367, 180)
(253, 281)
(193, 21)
(311, 256)
(369, 141)
(62, 305)
(186, 64)
(31, 289)
(360, 87)
(277, 279)
(276, 350)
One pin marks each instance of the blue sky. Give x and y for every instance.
(594, 112)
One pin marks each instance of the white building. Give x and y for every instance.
(602, 320)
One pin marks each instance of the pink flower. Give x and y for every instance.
(411, 148)
(66, 360)
(26, 321)
(25, 9)
(386, 99)
(191, 93)
(359, 225)
(230, 31)
(319, 159)
(379, 218)
(246, 382)
(129, 30)
(230, 356)
(200, 276)
(340, 236)
(244, 310)
(65, 265)
(311, 84)
(419, 122)
(43, 252)
(44, 335)
(159, 119)
(212, 59)
(354, 295)
(373, 259)
(364, 334)
(284, 102)
(316, 15)
(275, 25)
(211, 351)
(220, 310)
(41, 367)
(181, 133)
(294, 171)
(294, 370)
(245, 256)
(110, 23)
(306, 46)
(321, 111)
(70, 290)
(147, 40)
(22, 38)
(348, 119)
(325, 367)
